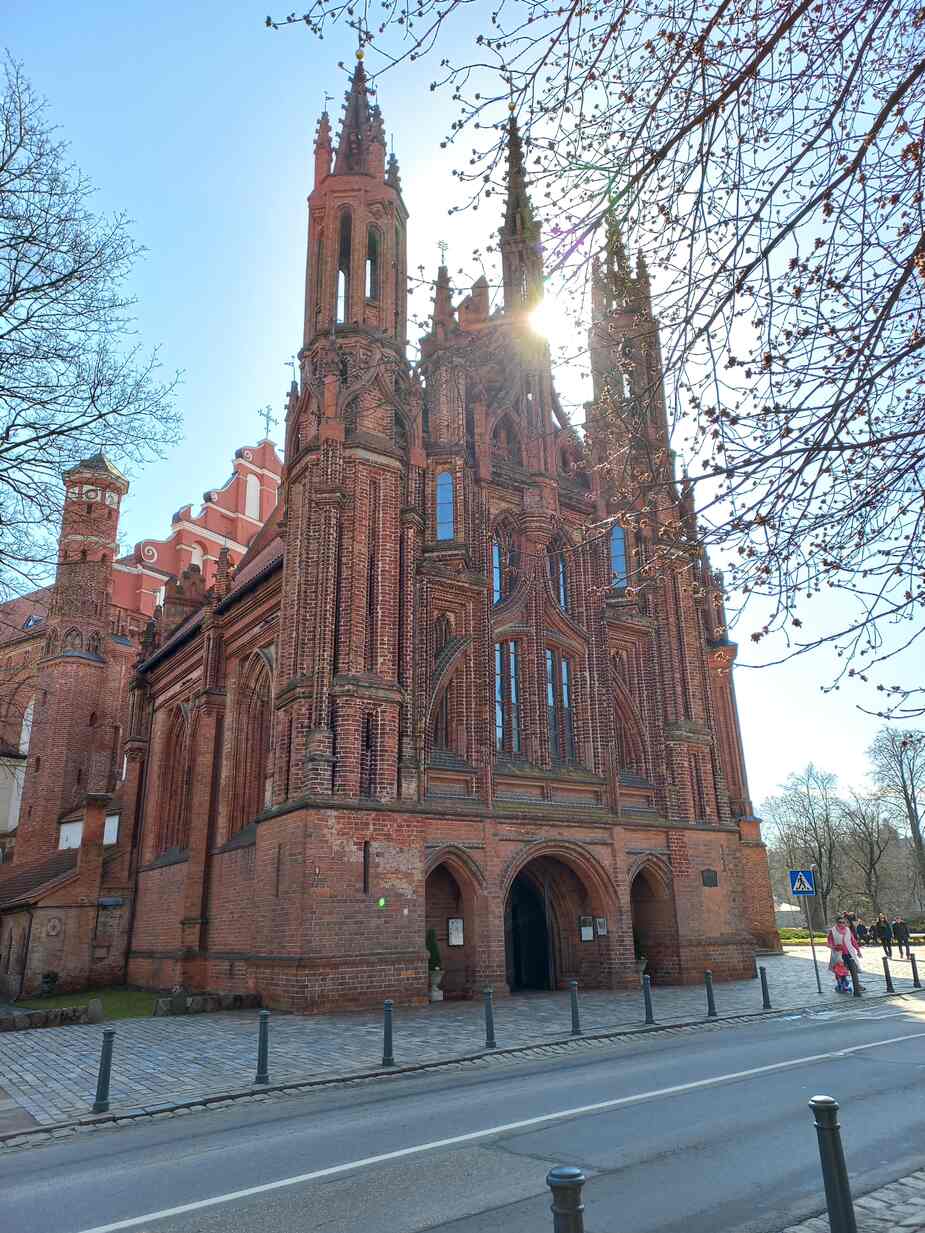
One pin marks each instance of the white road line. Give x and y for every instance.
(474, 1135)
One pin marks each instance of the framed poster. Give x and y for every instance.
(586, 928)
(454, 931)
(600, 924)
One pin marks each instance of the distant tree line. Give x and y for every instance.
(867, 847)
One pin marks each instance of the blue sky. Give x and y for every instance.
(198, 123)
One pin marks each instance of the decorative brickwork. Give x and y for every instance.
(457, 676)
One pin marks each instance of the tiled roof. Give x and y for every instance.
(22, 883)
(97, 462)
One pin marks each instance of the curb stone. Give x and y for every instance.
(898, 1205)
(131, 1115)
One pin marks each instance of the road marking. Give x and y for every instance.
(133, 1222)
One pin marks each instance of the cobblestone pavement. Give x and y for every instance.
(51, 1072)
(897, 1208)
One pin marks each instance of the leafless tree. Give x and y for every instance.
(73, 380)
(898, 760)
(869, 837)
(805, 820)
(768, 158)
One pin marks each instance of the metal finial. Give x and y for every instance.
(443, 246)
(325, 99)
(268, 421)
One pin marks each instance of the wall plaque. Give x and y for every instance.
(454, 931)
(586, 928)
(709, 877)
(600, 926)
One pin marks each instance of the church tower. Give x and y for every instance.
(353, 469)
(76, 726)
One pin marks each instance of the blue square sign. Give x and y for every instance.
(802, 882)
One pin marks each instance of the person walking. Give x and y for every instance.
(860, 932)
(842, 941)
(901, 936)
(884, 933)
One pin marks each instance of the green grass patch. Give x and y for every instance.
(118, 1002)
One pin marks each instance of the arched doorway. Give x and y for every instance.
(526, 932)
(450, 910)
(655, 931)
(556, 928)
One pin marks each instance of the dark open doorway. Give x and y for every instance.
(527, 937)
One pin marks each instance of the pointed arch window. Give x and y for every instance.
(557, 565)
(508, 707)
(446, 512)
(559, 706)
(443, 631)
(504, 564)
(253, 763)
(617, 556)
(373, 263)
(173, 831)
(344, 245)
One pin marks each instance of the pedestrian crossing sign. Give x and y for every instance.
(802, 882)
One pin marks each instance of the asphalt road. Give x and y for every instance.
(707, 1131)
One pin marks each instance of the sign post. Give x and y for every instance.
(803, 885)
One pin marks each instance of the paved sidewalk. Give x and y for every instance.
(51, 1072)
(897, 1208)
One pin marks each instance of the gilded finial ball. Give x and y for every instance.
(512, 106)
(360, 53)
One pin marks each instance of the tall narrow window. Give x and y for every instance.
(399, 289)
(558, 574)
(559, 702)
(319, 276)
(372, 264)
(372, 581)
(446, 514)
(442, 720)
(343, 268)
(365, 866)
(617, 556)
(503, 566)
(253, 763)
(508, 719)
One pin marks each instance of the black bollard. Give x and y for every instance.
(388, 1057)
(765, 994)
(101, 1104)
(916, 983)
(489, 1020)
(576, 1021)
(887, 976)
(263, 1048)
(711, 1001)
(567, 1208)
(647, 998)
(834, 1169)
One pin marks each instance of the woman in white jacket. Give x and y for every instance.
(841, 939)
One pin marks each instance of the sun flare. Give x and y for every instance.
(547, 319)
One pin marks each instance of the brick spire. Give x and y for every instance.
(521, 252)
(361, 144)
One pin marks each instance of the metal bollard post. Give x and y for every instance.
(647, 998)
(576, 1021)
(711, 1001)
(916, 983)
(263, 1048)
(489, 1020)
(567, 1208)
(388, 1057)
(765, 994)
(101, 1104)
(886, 973)
(834, 1170)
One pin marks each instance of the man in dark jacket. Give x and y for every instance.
(861, 930)
(884, 934)
(901, 936)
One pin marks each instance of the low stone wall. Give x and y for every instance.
(203, 1003)
(61, 1016)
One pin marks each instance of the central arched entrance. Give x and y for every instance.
(556, 926)
(526, 932)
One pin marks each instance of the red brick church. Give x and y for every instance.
(438, 671)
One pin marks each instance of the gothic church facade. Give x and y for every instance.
(452, 684)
